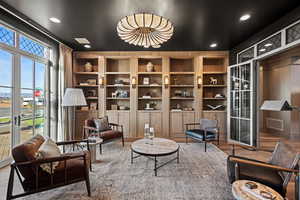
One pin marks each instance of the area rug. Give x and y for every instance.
(198, 176)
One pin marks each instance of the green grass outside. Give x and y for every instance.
(38, 122)
(4, 120)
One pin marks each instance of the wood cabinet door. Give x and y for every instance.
(221, 117)
(188, 117)
(80, 117)
(142, 119)
(176, 124)
(156, 123)
(124, 119)
(113, 117)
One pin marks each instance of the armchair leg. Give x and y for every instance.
(297, 187)
(123, 141)
(218, 139)
(100, 146)
(205, 146)
(10, 184)
(237, 171)
(87, 182)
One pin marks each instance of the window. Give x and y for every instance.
(269, 44)
(7, 36)
(246, 55)
(32, 47)
(23, 75)
(293, 33)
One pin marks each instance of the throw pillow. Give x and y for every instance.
(47, 150)
(102, 124)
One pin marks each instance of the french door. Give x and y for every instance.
(242, 115)
(22, 100)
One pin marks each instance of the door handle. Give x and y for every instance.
(15, 120)
(19, 120)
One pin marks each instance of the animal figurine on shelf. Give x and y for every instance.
(213, 81)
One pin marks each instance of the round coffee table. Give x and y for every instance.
(240, 193)
(152, 149)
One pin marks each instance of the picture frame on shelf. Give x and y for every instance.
(146, 81)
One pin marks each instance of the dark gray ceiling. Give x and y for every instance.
(197, 22)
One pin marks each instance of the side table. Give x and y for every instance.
(240, 192)
(92, 145)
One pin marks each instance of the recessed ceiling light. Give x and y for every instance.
(262, 50)
(268, 44)
(245, 17)
(87, 46)
(54, 20)
(82, 40)
(213, 45)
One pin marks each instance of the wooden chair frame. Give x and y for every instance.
(187, 126)
(36, 163)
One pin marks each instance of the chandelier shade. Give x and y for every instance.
(145, 30)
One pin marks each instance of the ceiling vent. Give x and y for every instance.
(82, 40)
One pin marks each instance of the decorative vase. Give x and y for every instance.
(88, 67)
(95, 68)
(150, 67)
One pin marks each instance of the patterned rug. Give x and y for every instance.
(198, 176)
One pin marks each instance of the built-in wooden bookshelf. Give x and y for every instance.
(117, 87)
(87, 79)
(214, 83)
(149, 84)
(173, 103)
(182, 79)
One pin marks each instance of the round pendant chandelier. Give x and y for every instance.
(145, 30)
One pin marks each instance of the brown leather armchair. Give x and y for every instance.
(276, 173)
(115, 132)
(72, 168)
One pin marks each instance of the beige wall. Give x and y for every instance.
(280, 79)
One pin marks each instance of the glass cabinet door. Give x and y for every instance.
(241, 94)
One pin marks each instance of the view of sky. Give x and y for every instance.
(27, 68)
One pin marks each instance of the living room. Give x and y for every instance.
(153, 99)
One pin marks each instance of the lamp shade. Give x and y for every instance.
(272, 105)
(74, 97)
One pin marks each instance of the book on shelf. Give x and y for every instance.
(146, 97)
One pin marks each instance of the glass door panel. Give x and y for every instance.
(241, 115)
(6, 104)
(27, 120)
(27, 104)
(39, 93)
(5, 122)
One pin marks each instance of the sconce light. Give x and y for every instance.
(166, 81)
(199, 81)
(133, 82)
(101, 81)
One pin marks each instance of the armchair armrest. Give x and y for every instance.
(190, 124)
(71, 142)
(116, 126)
(50, 160)
(261, 164)
(250, 148)
(90, 128)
